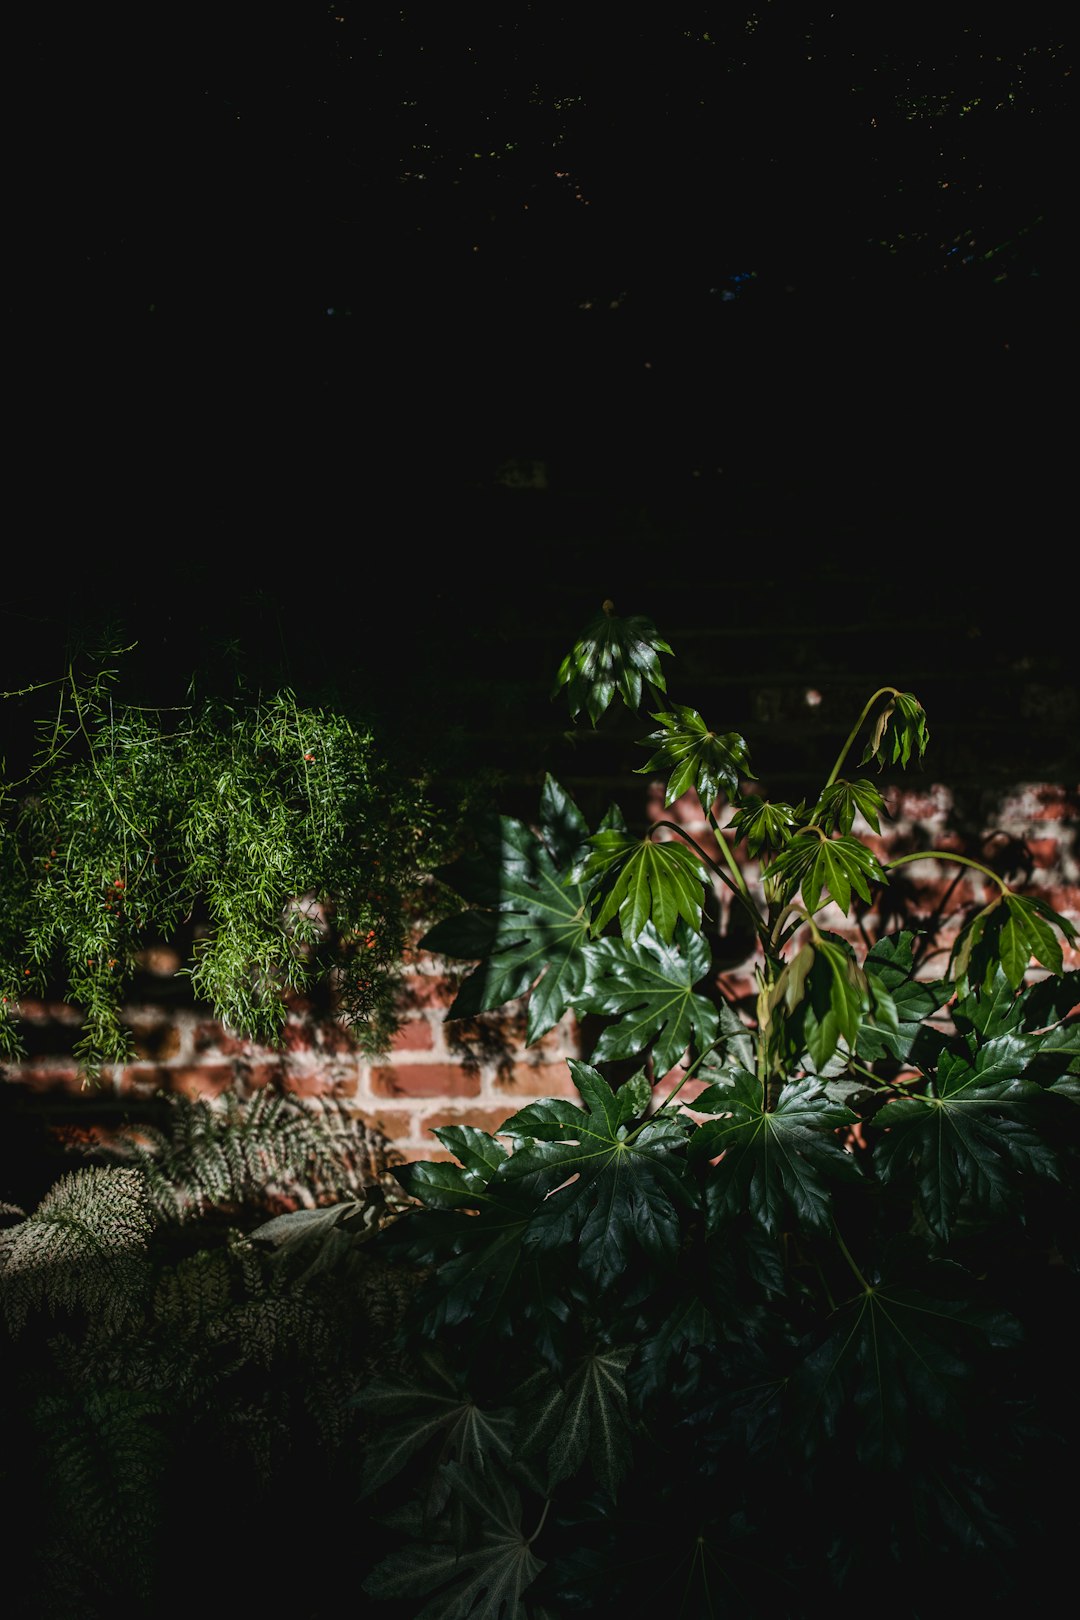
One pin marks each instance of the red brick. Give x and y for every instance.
(483, 1119)
(389, 1122)
(415, 1035)
(424, 1080)
(303, 1080)
(206, 1080)
(156, 1042)
(537, 1080)
(257, 1076)
(426, 990)
(213, 1037)
(42, 1078)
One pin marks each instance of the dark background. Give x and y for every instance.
(779, 302)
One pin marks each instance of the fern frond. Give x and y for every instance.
(84, 1248)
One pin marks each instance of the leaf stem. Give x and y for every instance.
(882, 691)
(947, 855)
(847, 1254)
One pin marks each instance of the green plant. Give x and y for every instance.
(179, 1341)
(280, 836)
(795, 1344)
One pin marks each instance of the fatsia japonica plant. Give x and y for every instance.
(770, 1317)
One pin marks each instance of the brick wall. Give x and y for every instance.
(479, 1071)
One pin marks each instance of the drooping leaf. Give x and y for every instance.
(647, 986)
(692, 756)
(770, 1162)
(611, 655)
(533, 930)
(909, 731)
(616, 1194)
(643, 880)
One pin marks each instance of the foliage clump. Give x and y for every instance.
(760, 1323)
(280, 835)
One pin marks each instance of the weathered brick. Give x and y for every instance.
(536, 1080)
(43, 1077)
(389, 1122)
(424, 1080)
(158, 1042)
(415, 1035)
(201, 1080)
(420, 990)
(308, 1080)
(483, 1119)
(213, 1037)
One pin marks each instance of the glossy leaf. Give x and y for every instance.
(532, 937)
(647, 987)
(692, 756)
(840, 803)
(765, 826)
(643, 881)
(617, 1194)
(772, 1162)
(890, 968)
(970, 1136)
(611, 655)
(839, 865)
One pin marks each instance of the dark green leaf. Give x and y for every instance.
(643, 880)
(692, 756)
(968, 1138)
(648, 987)
(611, 655)
(615, 1193)
(895, 1356)
(485, 1580)
(536, 931)
(770, 1161)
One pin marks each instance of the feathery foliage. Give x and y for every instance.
(278, 832)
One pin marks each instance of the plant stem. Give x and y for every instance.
(882, 691)
(948, 855)
(846, 1252)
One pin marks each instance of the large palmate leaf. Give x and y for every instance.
(891, 965)
(484, 1580)
(839, 804)
(611, 655)
(584, 1417)
(619, 1190)
(969, 1135)
(647, 986)
(770, 1162)
(894, 1358)
(839, 865)
(695, 757)
(471, 1234)
(532, 929)
(407, 1418)
(643, 880)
